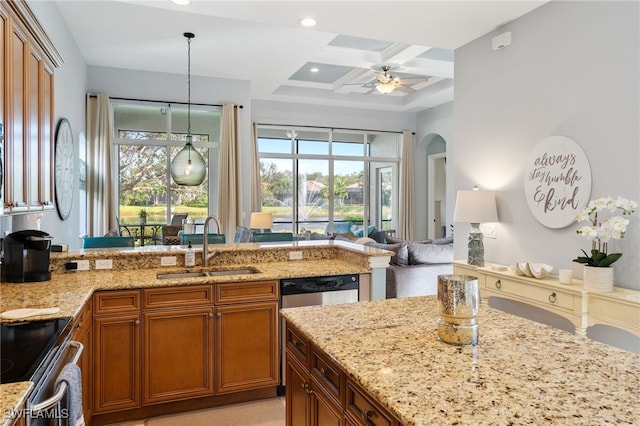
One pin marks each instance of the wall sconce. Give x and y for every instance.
(475, 207)
(261, 221)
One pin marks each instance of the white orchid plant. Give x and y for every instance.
(601, 231)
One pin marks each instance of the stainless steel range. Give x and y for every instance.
(37, 351)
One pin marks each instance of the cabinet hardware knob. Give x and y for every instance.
(306, 388)
(137, 322)
(552, 297)
(219, 315)
(498, 284)
(365, 414)
(323, 372)
(210, 314)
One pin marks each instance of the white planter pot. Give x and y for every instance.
(598, 279)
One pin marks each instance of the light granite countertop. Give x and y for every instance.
(138, 267)
(12, 396)
(521, 372)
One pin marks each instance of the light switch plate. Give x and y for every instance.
(104, 264)
(83, 265)
(168, 261)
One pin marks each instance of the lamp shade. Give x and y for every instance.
(260, 220)
(475, 207)
(188, 167)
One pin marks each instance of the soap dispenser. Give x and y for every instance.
(189, 256)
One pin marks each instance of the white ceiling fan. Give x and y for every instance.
(386, 83)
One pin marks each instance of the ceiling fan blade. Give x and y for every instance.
(405, 89)
(371, 91)
(414, 80)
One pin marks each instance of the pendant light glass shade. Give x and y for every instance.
(188, 167)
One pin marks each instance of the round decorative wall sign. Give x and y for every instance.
(557, 181)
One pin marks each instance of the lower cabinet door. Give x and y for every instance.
(298, 392)
(246, 346)
(116, 374)
(324, 412)
(177, 354)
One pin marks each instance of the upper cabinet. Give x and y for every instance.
(28, 63)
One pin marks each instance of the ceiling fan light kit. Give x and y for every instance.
(385, 88)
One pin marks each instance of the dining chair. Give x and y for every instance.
(266, 237)
(177, 218)
(105, 242)
(198, 239)
(170, 234)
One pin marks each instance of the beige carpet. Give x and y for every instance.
(266, 412)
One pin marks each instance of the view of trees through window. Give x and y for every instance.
(316, 179)
(147, 138)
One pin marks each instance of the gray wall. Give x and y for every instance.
(572, 70)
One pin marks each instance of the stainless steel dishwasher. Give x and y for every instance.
(314, 291)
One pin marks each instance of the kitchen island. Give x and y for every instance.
(521, 372)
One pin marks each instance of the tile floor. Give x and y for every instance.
(266, 412)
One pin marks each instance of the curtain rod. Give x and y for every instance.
(331, 128)
(165, 102)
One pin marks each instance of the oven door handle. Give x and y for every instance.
(38, 408)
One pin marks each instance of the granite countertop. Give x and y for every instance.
(521, 372)
(12, 396)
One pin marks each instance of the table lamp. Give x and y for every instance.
(475, 207)
(262, 221)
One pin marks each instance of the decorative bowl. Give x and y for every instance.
(531, 269)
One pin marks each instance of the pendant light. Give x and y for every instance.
(188, 167)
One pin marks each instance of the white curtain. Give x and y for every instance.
(229, 189)
(101, 208)
(256, 196)
(406, 221)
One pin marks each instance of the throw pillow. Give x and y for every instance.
(401, 256)
(429, 253)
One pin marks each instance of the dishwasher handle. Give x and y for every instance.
(61, 390)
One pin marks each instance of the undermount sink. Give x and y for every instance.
(213, 273)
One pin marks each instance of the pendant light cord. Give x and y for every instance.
(189, 36)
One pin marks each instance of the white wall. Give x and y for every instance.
(573, 69)
(69, 87)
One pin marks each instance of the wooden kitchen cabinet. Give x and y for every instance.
(178, 343)
(116, 350)
(246, 336)
(82, 332)
(29, 60)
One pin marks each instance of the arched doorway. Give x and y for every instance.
(436, 187)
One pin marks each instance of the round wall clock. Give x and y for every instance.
(64, 168)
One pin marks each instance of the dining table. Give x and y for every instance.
(139, 231)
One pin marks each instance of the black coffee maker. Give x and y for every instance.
(26, 256)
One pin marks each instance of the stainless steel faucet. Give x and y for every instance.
(205, 239)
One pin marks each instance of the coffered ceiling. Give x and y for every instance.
(263, 42)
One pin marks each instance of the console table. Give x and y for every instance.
(620, 308)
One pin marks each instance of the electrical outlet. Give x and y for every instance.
(295, 255)
(488, 230)
(168, 261)
(104, 264)
(83, 265)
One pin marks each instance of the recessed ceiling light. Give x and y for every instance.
(181, 2)
(307, 22)
(314, 69)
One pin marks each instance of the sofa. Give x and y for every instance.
(415, 266)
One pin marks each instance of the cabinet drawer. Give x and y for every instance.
(174, 297)
(115, 302)
(297, 346)
(525, 291)
(328, 375)
(362, 408)
(250, 291)
(84, 319)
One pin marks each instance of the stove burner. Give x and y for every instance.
(24, 347)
